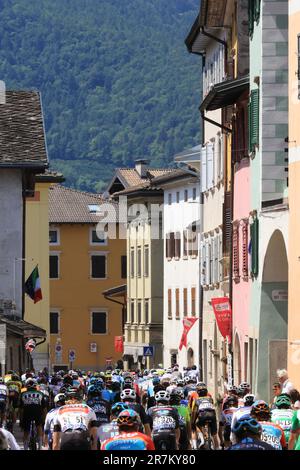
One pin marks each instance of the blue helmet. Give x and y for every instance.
(156, 380)
(93, 390)
(118, 407)
(246, 425)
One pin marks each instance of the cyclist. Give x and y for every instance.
(203, 411)
(14, 386)
(164, 422)
(282, 414)
(229, 409)
(271, 433)
(75, 424)
(108, 430)
(31, 409)
(100, 406)
(59, 400)
(8, 441)
(190, 386)
(242, 412)
(247, 432)
(294, 440)
(128, 396)
(129, 437)
(3, 401)
(184, 418)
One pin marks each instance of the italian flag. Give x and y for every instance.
(33, 286)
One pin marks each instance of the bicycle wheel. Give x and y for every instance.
(209, 438)
(32, 437)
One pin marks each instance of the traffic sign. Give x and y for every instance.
(58, 348)
(72, 355)
(148, 351)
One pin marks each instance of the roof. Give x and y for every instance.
(71, 206)
(117, 291)
(174, 176)
(22, 133)
(50, 177)
(21, 327)
(192, 154)
(212, 13)
(129, 177)
(224, 94)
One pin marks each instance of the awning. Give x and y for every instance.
(118, 291)
(22, 328)
(224, 94)
(134, 351)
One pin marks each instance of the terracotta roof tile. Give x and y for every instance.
(132, 178)
(22, 135)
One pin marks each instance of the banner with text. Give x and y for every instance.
(222, 311)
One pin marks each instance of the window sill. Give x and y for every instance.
(55, 278)
(177, 258)
(185, 257)
(170, 318)
(98, 278)
(194, 256)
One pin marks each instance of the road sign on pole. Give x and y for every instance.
(148, 351)
(72, 355)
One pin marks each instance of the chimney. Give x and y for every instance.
(141, 167)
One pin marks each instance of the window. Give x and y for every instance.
(132, 262)
(185, 301)
(170, 199)
(177, 244)
(253, 14)
(254, 246)
(147, 312)
(245, 249)
(235, 247)
(132, 312)
(139, 261)
(193, 297)
(98, 267)
(54, 237)
(139, 312)
(124, 267)
(99, 323)
(97, 240)
(54, 266)
(93, 208)
(170, 245)
(186, 195)
(185, 243)
(177, 196)
(146, 261)
(54, 323)
(253, 121)
(177, 296)
(169, 303)
(194, 194)
(193, 241)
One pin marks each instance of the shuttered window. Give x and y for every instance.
(147, 311)
(235, 251)
(253, 14)
(170, 245)
(254, 227)
(193, 297)
(146, 261)
(139, 261)
(203, 170)
(210, 165)
(185, 301)
(169, 303)
(253, 121)
(227, 223)
(245, 249)
(207, 262)
(216, 258)
(185, 243)
(177, 297)
(177, 245)
(220, 241)
(203, 263)
(132, 263)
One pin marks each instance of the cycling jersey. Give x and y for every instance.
(3, 393)
(163, 419)
(74, 416)
(273, 435)
(14, 388)
(184, 419)
(140, 411)
(129, 441)
(205, 413)
(283, 417)
(101, 408)
(296, 426)
(49, 424)
(12, 443)
(226, 420)
(32, 403)
(107, 431)
(248, 443)
(188, 389)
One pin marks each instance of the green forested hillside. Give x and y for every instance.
(116, 79)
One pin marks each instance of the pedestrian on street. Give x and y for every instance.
(286, 384)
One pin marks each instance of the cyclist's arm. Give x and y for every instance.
(293, 439)
(12, 441)
(177, 436)
(56, 437)
(94, 437)
(221, 433)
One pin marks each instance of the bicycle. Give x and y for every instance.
(10, 419)
(32, 436)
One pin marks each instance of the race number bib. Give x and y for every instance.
(205, 405)
(73, 421)
(272, 440)
(163, 422)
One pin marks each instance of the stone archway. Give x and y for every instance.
(272, 347)
(237, 361)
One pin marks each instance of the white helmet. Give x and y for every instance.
(180, 382)
(59, 397)
(162, 395)
(128, 394)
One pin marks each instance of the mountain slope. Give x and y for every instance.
(117, 82)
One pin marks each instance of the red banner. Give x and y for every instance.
(119, 346)
(187, 325)
(222, 311)
(30, 345)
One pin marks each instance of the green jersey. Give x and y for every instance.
(296, 427)
(184, 414)
(283, 417)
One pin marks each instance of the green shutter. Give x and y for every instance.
(254, 119)
(254, 247)
(256, 14)
(249, 127)
(251, 16)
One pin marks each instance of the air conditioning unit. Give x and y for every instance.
(93, 347)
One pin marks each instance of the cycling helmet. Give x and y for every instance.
(283, 401)
(231, 401)
(180, 383)
(202, 390)
(232, 389)
(30, 383)
(246, 425)
(128, 379)
(128, 394)
(93, 390)
(15, 378)
(129, 418)
(68, 379)
(72, 392)
(118, 407)
(156, 380)
(260, 410)
(162, 396)
(240, 392)
(192, 380)
(249, 399)
(176, 396)
(186, 379)
(115, 386)
(60, 398)
(245, 386)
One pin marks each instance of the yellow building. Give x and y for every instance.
(83, 322)
(294, 194)
(37, 253)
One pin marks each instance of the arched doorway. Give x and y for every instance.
(272, 346)
(190, 357)
(237, 361)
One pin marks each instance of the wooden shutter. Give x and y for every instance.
(203, 263)
(245, 249)
(210, 165)
(220, 256)
(227, 223)
(185, 243)
(254, 120)
(185, 301)
(203, 170)
(235, 250)
(216, 258)
(193, 295)
(172, 245)
(254, 247)
(170, 303)
(177, 245)
(177, 294)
